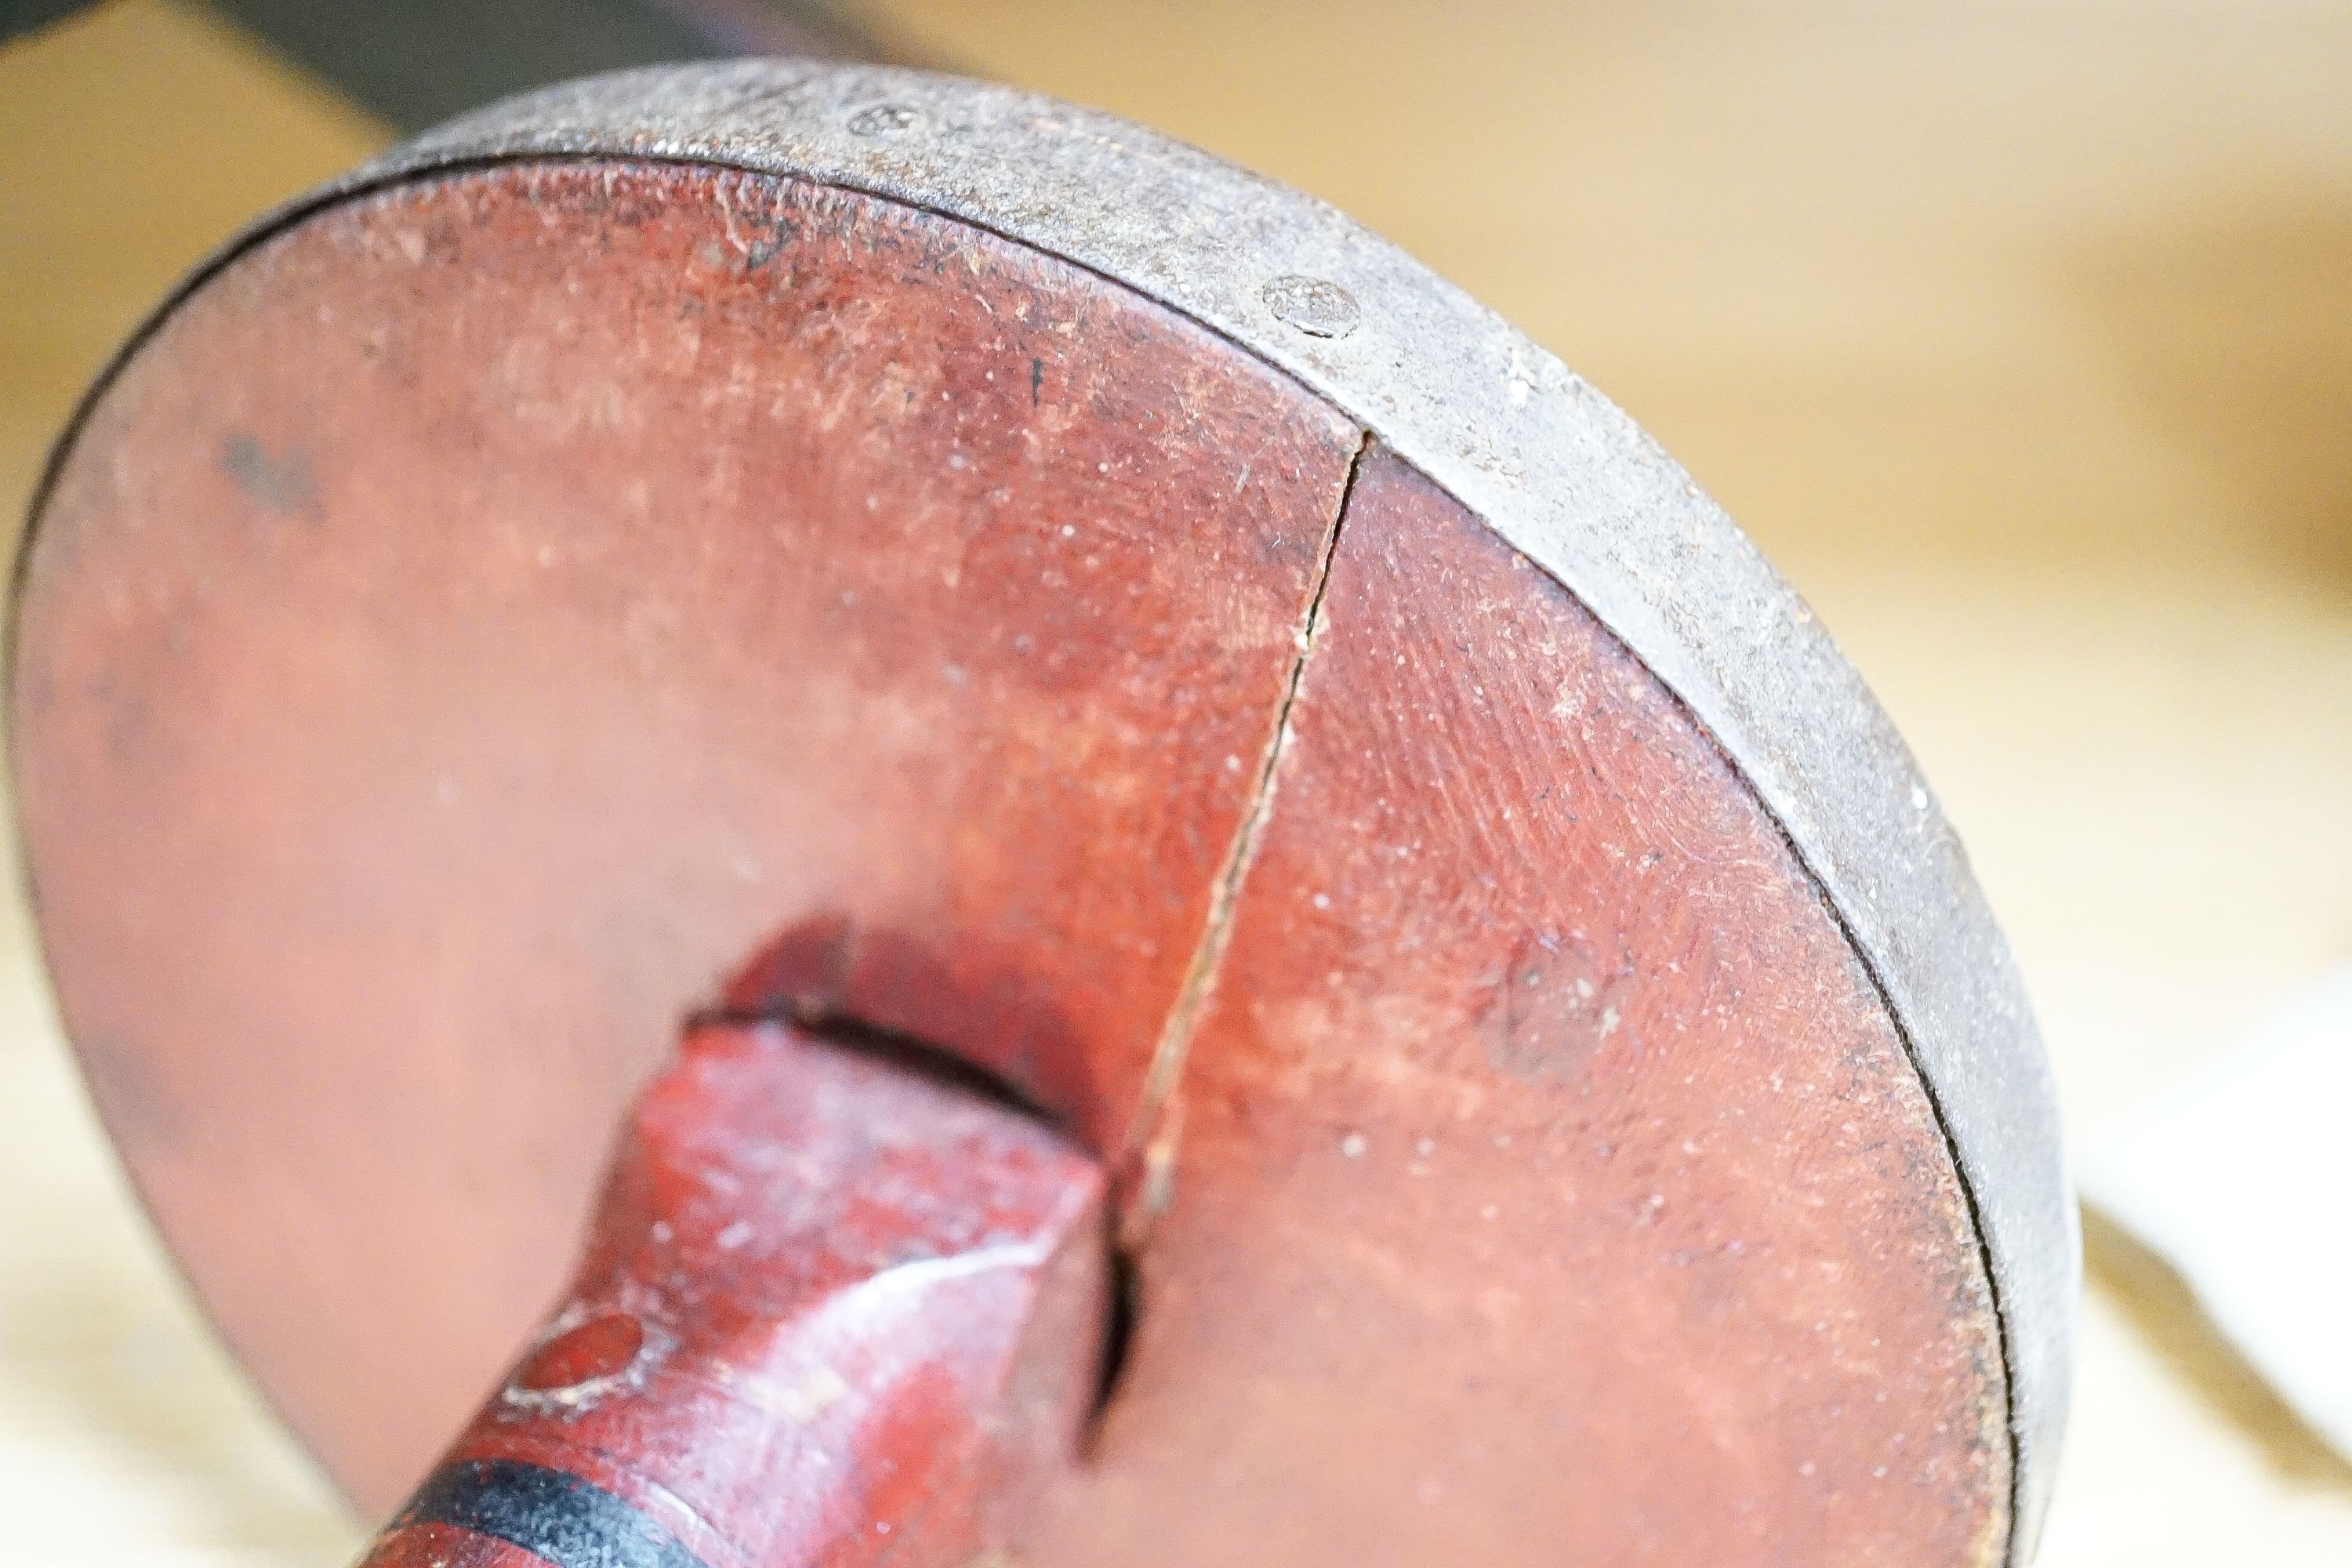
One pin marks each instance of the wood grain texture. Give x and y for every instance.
(1552, 1186)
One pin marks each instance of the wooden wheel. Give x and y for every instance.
(936, 558)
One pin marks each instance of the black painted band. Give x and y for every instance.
(557, 1517)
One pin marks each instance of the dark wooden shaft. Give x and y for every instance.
(834, 1311)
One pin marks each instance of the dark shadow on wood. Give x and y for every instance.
(419, 62)
(2166, 1310)
(19, 17)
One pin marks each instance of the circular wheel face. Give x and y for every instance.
(1060, 598)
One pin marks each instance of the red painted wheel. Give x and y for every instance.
(1056, 597)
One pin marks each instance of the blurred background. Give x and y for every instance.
(2017, 332)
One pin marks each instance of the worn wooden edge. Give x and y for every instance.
(1531, 449)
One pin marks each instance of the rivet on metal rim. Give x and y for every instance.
(884, 120)
(1315, 306)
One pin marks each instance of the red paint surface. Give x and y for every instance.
(603, 1346)
(833, 1312)
(1554, 1188)
(439, 1546)
(582, 581)
(480, 618)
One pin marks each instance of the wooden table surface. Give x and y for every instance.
(2020, 333)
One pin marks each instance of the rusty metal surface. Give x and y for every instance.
(833, 1312)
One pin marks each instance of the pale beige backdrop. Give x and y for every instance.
(2021, 334)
